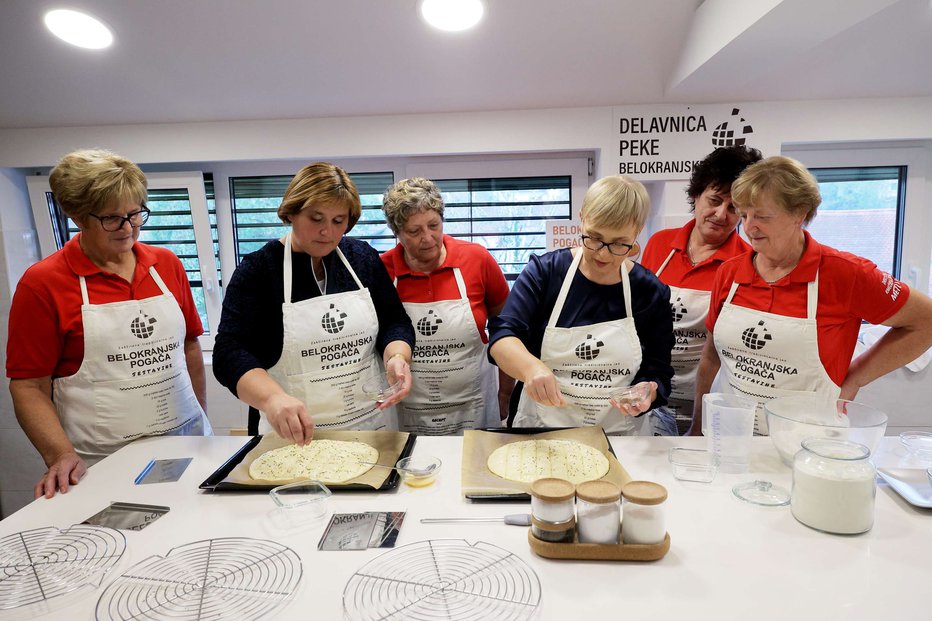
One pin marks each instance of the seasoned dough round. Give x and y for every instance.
(529, 460)
(328, 461)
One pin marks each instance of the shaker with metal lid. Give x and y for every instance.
(834, 486)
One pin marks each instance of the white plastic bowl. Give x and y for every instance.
(793, 419)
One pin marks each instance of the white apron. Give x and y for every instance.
(452, 378)
(328, 350)
(590, 363)
(133, 381)
(690, 308)
(765, 356)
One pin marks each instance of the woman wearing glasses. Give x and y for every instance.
(103, 334)
(687, 259)
(784, 318)
(582, 324)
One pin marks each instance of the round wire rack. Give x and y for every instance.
(45, 563)
(443, 579)
(226, 578)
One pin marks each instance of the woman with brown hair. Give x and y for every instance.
(308, 317)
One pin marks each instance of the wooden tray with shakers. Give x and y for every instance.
(599, 551)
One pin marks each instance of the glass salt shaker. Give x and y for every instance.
(553, 517)
(834, 486)
(644, 519)
(598, 508)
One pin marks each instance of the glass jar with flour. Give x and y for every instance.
(834, 486)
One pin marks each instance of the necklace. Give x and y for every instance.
(782, 275)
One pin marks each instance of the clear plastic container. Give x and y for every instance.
(834, 486)
(552, 500)
(644, 519)
(312, 498)
(598, 512)
(697, 465)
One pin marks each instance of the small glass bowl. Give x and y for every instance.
(697, 465)
(632, 395)
(919, 443)
(419, 462)
(311, 497)
(379, 389)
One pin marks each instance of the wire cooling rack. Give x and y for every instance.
(227, 578)
(45, 563)
(443, 579)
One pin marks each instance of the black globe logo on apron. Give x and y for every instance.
(679, 309)
(429, 324)
(756, 337)
(333, 320)
(142, 326)
(589, 349)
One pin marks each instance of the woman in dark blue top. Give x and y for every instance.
(301, 330)
(582, 325)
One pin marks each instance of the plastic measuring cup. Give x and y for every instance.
(728, 425)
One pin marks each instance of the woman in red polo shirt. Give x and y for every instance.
(103, 334)
(784, 318)
(450, 288)
(687, 259)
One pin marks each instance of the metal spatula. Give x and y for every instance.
(514, 519)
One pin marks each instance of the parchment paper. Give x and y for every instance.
(389, 444)
(478, 480)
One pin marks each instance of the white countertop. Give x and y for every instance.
(728, 559)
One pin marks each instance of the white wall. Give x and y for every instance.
(528, 133)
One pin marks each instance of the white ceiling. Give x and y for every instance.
(211, 60)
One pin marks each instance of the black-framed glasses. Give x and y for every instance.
(619, 249)
(115, 223)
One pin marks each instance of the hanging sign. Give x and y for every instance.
(666, 142)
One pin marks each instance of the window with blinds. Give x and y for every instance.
(506, 215)
(170, 226)
(255, 202)
(862, 212)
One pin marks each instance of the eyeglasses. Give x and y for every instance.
(619, 249)
(115, 223)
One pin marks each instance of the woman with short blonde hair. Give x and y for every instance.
(582, 324)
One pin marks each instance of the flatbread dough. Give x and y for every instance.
(529, 460)
(328, 461)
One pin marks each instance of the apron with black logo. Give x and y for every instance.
(690, 308)
(452, 378)
(765, 356)
(134, 379)
(590, 363)
(328, 350)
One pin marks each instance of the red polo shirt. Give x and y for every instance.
(851, 289)
(680, 272)
(46, 332)
(486, 286)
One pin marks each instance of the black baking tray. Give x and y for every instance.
(215, 482)
(522, 431)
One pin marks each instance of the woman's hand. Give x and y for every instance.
(289, 418)
(66, 470)
(398, 371)
(540, 384)
(634, 408)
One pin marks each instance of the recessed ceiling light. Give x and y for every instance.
(452, 15)
(78, 29)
